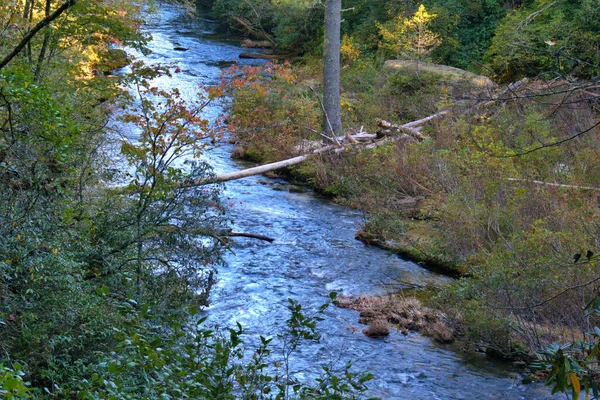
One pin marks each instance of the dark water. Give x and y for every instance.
(314, 253)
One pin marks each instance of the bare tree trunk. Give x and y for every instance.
(332, 120)
(30, 18)
(42, 55)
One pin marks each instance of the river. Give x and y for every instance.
(314, 253)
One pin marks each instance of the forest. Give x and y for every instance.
(110, 243)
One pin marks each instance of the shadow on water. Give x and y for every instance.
(314, 253)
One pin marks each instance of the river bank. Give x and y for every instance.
(447, 198)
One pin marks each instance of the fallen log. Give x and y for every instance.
(247, 25)
(511, 88)
(261, 169)
(421, 121)
(251, 236)
(554, 184)
(256, 44)
(411, 128)
(263, 55)
(389, 129)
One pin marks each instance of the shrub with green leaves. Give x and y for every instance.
(187, 359)
(12, 386)
(549, 38)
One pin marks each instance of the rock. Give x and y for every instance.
(296, 189)
(442, 73)
(238, 153)
(180, 48)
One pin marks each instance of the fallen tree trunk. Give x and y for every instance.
(251, 236)
(422, 121)
(554, 184)
(261, 169)
(247, 25)
(388, 129)
(297, 160)
(263, 55)
(253, 44)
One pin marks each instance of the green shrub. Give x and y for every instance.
(12, 385)
(548, 38)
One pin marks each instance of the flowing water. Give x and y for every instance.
(314, 253)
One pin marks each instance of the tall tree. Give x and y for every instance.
(332, 119)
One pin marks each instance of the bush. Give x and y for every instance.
(548, 39)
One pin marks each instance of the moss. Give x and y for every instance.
(412, 247)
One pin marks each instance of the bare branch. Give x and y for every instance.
(552, 144)
(554, 184)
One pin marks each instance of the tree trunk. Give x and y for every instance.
(332, 120)
(42, 55)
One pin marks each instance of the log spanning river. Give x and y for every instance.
(314, 253)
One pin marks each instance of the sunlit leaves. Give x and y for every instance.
(410, 37)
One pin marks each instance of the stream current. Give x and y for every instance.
(314, 253)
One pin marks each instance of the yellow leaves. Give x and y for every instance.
(576, 386)
(410, 37)
(421, 17)
(215, 92)
(349, 50)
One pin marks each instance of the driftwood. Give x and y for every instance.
(356, 140)
(389, 129)
(511, 88)
(412, 129)
(255, 170)
(422, 121)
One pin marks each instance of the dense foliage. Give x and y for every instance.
(510, 39)
(107, 256)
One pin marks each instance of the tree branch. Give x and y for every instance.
(39, 26)
(554, 184)
(553, 144)
(251, 236)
